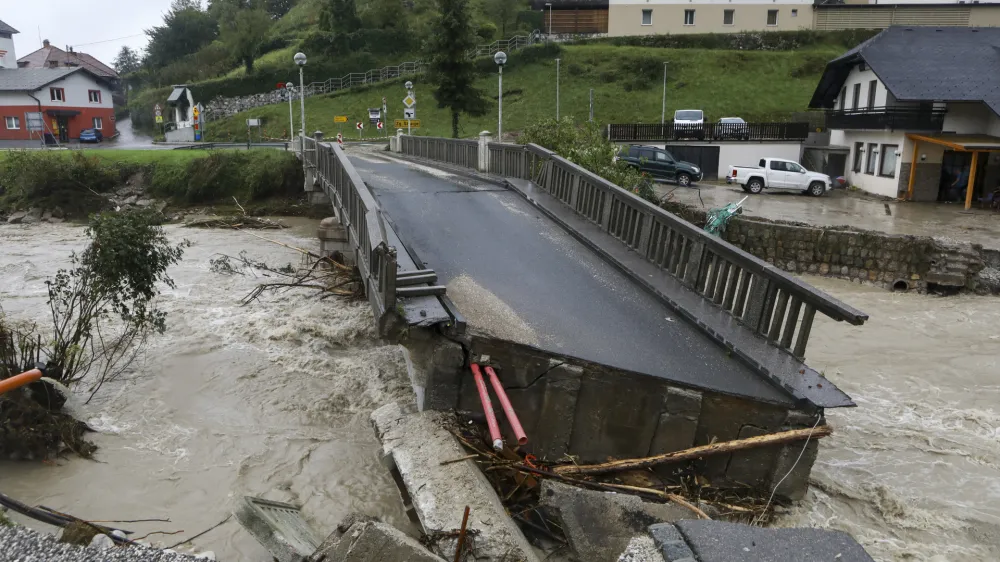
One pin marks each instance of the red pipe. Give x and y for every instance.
(491, 417)
(18, 381)
(515, 424)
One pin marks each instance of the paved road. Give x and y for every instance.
(559, 292)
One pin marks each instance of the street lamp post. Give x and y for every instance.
(663, 114)
(500, 58)
(290, 88)
(549, 4)
(300, 59)
(557, 89)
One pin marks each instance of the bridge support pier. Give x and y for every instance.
(333, 241)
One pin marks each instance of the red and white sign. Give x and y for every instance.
(340, 138)
(380, 125)
(359, 126)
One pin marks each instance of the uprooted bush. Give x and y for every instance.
(102, 314)
(583, 144)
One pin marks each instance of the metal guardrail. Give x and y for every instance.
(461, 152)
(361, 217)
(764, 298)
(647, 132)
(223, 107)
(769, 301)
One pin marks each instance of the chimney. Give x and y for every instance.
(45, 43)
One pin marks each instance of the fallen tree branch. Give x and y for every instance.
(213, 527)
(698, 452)
(679, 500)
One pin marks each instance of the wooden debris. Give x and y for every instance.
(235, 222)
(699, 452)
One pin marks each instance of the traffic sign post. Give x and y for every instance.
(361, 128)
(409, 107)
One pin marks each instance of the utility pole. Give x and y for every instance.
(663, 114)
(591, 104)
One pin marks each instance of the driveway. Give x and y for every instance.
(841, 207)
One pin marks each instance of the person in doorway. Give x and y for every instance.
(959, 186)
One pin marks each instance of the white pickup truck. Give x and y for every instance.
(779, 175)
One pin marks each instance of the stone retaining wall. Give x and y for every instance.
(892, 261)
(569, 406)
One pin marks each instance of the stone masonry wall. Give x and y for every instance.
(861, 256)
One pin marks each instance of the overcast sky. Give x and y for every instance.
(81, 24)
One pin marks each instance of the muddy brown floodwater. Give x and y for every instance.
(273, 399)
(270, 399)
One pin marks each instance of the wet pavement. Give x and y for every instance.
(127, 139)
(838, 207)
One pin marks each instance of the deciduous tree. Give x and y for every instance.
(127, 61)
(186, 28)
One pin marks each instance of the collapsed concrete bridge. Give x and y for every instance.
(646, 334)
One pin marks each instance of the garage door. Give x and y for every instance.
(705, 157)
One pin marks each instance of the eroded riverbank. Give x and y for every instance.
(270, 399)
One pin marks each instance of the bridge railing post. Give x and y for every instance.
(484, 151)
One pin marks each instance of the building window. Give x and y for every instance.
(647, 17)
(728, 17)
(688, 17)
(94, 95)
(795, 13)
(872, 88)
(57, 94)
(857, 97)
(872, 159)
(13, 123)
(772, 17)
(859, 155)
(843, 97)
(98, 123)
(888, 167)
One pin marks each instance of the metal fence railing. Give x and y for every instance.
(362, 219)
(460, 152)
(762, 297)
(655, 132)
(226, 106)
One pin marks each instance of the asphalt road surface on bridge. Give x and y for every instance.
(570, 300)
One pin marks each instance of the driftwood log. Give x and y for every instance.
(698, 452)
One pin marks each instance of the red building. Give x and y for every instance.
(71, 99)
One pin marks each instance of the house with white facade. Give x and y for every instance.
(70, 98)
(919, 109)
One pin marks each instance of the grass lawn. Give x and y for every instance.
(627, 83)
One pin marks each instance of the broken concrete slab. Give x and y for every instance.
(279, 528)
(367, 540)
(641, 549)
(600, 525)
(417, 443)
(717, 541)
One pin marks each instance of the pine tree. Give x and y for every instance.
(450, 69)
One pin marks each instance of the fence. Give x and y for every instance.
(460, 152)
(641, 132)
(762, 297)
(361, 217)
(224, 107)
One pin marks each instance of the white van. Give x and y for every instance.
(689, 123)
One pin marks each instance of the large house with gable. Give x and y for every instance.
(919, 109)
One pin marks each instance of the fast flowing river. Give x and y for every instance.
(272, 399)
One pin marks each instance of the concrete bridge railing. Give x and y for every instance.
(767, 300)
(360, 216)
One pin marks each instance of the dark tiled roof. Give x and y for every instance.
(4, 28)
(31, 79)
(42, 57)
(924, 64)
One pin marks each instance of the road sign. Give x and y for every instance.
(409, 101)
(410, 113)
(197, 112)
(158, 110)
(374, 114)
(159, 119)
(360, 125)
(380, 125)
(253, 122)
(404, 123)
(383, 100)
(340, 119)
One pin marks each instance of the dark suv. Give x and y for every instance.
(659, 163)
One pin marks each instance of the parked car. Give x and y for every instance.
(732, 128)
(91, 135)
(659, 163)
(779, 175)
(689, 123)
